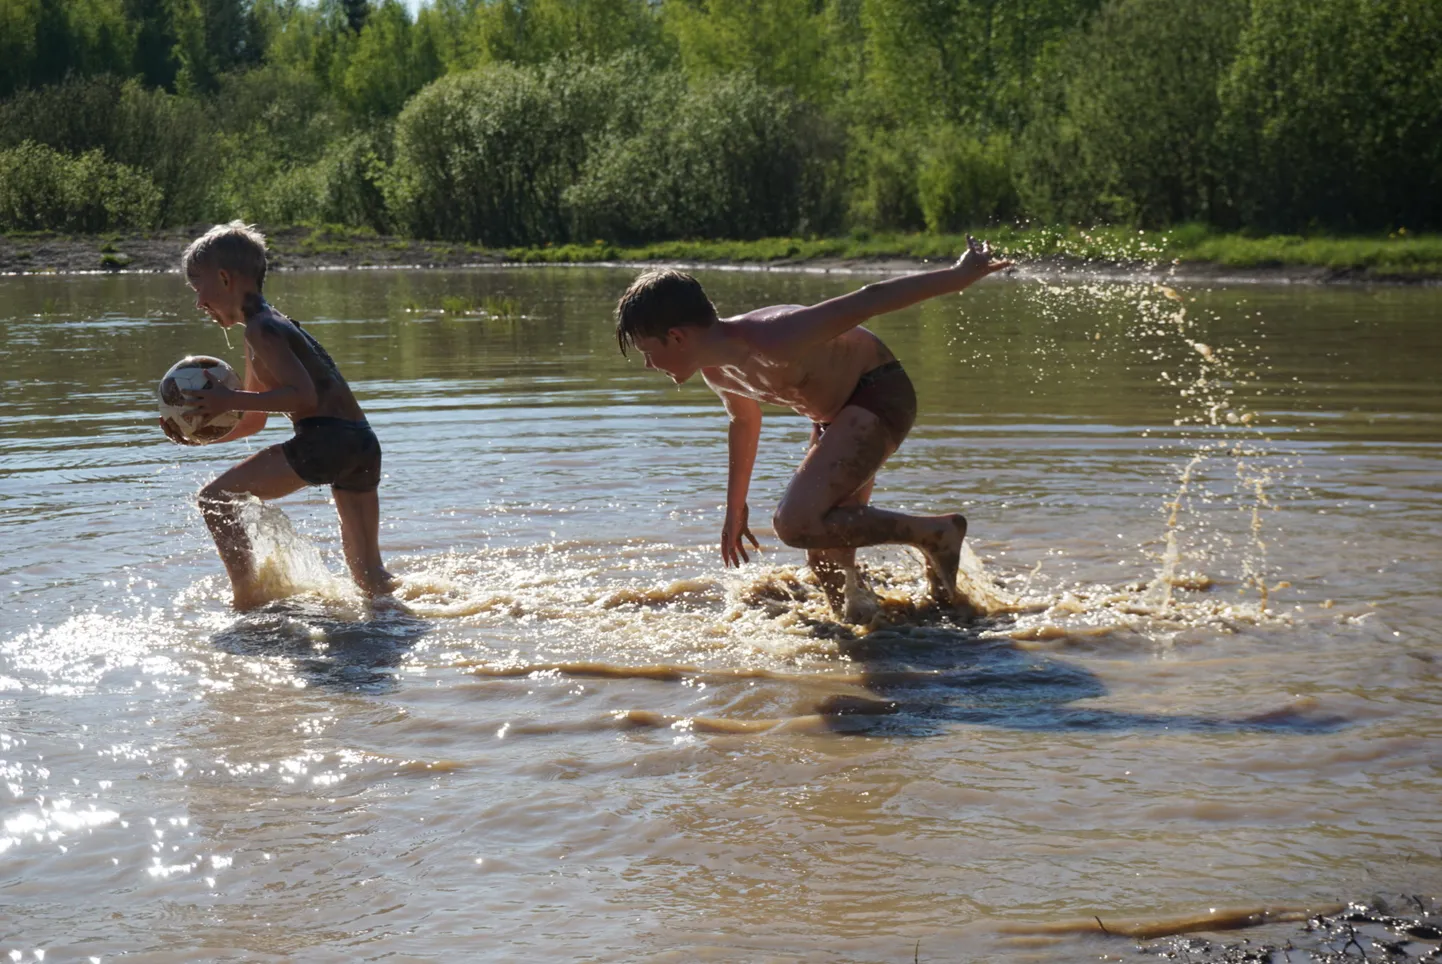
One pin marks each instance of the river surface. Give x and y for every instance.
(1208, 551)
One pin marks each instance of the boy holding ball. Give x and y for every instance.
(286, 371)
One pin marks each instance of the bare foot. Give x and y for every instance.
(943, 558)
(379, 583)
(244, 600)
(860, 602)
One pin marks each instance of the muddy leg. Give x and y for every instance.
(829, 566)
(360, 537)
(817, 512)
(265, 475)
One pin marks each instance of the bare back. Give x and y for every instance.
(816, 385)
(333, 395)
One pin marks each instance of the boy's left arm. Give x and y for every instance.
(804, 328)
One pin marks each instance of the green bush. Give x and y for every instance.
(732, 159)
(1128, 130)
(353, 173)
(963, 181)
(278, 125)
(170, 138)
(45, 189)
(486, 155)
(882, 168)
(1333, 114)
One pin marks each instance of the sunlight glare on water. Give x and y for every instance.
(1203, 562)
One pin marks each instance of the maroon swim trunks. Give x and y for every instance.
(886, 392)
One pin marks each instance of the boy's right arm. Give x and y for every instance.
(741, 439)
(250, 422)
(789, 336)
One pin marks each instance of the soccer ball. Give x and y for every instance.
(188, 374)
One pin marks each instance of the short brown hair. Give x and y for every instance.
(236, 247)
(658, 301)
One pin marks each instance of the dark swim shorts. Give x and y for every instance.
(886, 392)
(335, 451)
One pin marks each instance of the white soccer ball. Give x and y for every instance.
(189, 374)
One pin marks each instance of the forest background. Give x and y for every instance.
(548, 122)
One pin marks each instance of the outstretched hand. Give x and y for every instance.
(978, 260)
(733, 550)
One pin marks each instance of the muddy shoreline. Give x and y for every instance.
(1392, 929)
(1384, 929)
(307, 249)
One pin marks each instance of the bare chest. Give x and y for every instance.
(791, 386)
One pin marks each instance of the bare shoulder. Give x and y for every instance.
(765, 330)
(762, 317)
(717, 380)
(266, 325)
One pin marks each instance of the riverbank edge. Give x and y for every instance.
(1186, 254)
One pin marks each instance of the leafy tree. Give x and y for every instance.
(390, 62)
(1129, 129)
(213, 36)
(154, 60)
(19, 28)
(782, 43)
(536, 32)
(1333, 111)
(962, 61)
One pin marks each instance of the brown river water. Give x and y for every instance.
(1207, 541)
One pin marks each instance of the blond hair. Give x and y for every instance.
(236, 247)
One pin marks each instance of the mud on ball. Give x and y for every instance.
(189, 374)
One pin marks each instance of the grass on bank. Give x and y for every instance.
(1400, 255)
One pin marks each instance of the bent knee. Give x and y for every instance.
(212, 497)
(796, 528)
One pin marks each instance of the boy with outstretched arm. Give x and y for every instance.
(818, 361)
(286, 371)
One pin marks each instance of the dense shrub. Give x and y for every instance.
(42, 188)
(963, 181)
(352, 175)
(732, 159)
(487, 155)
(1333, 112)
(1128, 130)
(881, 181)
(170, 138)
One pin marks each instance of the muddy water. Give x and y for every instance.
(1206, 532)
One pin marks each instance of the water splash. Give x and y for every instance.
(1214, 515)
(286, 563)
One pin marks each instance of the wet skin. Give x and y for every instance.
(277, 379)
(809, 359)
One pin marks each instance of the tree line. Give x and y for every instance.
(523, 122)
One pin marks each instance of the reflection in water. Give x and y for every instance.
(908, 673)
(327, 648)
(1206, 535)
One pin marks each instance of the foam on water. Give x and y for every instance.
(287, 564)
